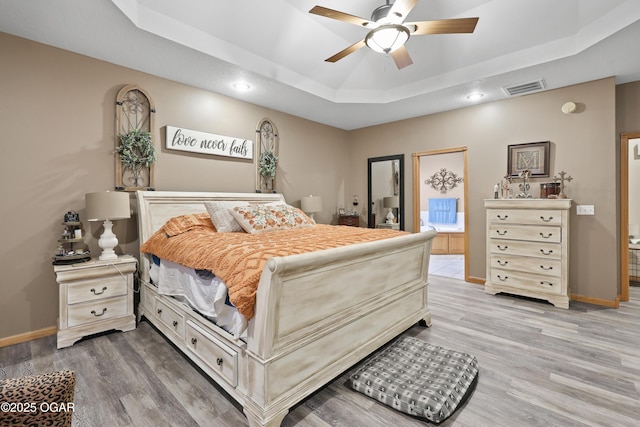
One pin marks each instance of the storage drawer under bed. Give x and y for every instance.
(218, 356)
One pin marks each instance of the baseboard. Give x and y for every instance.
(476, 280)
(596, 301)
(17, 339)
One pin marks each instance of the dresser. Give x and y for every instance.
(528, 248)
(95, 296)
(351, 220)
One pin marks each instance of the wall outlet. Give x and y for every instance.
(585, 210)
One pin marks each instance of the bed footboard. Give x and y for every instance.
(317, 314)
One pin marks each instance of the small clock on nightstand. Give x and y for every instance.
(95, 296)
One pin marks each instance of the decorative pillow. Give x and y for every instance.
(262, 218)
(418, 378)
(180, 224)
(221, 217)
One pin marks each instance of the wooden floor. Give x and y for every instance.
(539, 366)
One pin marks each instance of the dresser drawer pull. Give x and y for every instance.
(502, 263)
(503, 248)
(194, 341)
(502, 233)
(104, 310)
(547, 236)
(219, 361)
(502, 217)
(546, 268)
(104, 288)
(175, 323)
(159, 311)
(549, 252)
(546, 220)
(546, 283)
(503, 278)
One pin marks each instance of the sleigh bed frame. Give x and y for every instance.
(316, 314)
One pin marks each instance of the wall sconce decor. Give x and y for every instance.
(444, 180)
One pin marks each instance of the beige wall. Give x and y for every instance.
(582, 144)
(57, 115)
(430, 165)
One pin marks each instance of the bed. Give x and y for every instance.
(302, 335)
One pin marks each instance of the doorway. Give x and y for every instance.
(440, 180)
(629, 211)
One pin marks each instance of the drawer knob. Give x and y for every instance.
(503, 248)
(547, 236)
(502, 217)
(502, 233)
(219, 361)
(503, 263)
(546, 220)
(549, 252)
(503, 278)
(175, 323)
(194, 341)
(104, 288)
(546, 268)
(104, 310)
(546, 283)
(159, 311)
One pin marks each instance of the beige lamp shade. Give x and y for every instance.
(107, 205)
(391, 202)
(311, 204)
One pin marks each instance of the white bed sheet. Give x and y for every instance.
(205, 293)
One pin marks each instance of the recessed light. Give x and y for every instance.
(475, 96)
(241, 86)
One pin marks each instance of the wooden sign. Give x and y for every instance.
(208, 143)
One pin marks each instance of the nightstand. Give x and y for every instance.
(95, 296)
(351, 220)
(393, 226)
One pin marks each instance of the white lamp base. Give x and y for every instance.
(107, 242)
(390, 217)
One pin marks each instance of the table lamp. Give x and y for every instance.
(390, 202)
(311, 205)
(106, 206)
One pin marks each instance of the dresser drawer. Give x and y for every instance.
(526, 232)
(538, 266)
(107, 308)
(536, 249)
(520, 280)
(171, 318)
(92, 290)
(214, 353)
(350, 220)
(525, 216)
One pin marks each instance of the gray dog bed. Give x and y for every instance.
(418, 378)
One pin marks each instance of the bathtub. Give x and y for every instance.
(450, 238)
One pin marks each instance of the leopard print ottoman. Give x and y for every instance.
(38, 400)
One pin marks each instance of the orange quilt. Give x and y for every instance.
(239, 258)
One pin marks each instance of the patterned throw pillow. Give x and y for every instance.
(221, 217)
(262, 218)
(418, 378)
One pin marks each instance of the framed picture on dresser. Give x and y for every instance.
(533, 156)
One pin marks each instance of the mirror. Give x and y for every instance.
(386, 192)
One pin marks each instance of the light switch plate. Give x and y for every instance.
(585, 210)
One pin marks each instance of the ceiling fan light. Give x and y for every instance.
(387, 38)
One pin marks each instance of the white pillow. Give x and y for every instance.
(257, 219)
(221, 217)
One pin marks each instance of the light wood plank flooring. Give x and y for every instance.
(539, 366)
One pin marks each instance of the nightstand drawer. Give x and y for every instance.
(171, 318)
(213, 352)
(91, 290)
(108, 308)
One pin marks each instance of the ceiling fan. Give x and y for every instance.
(388, 31)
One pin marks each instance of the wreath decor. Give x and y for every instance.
(267, 166)
(136, 151)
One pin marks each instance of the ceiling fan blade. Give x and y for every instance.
(443, 26)
(401, 57)
(401, 8)
(340, 16)
(338, 56)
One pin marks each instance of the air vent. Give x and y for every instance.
(523, 88)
